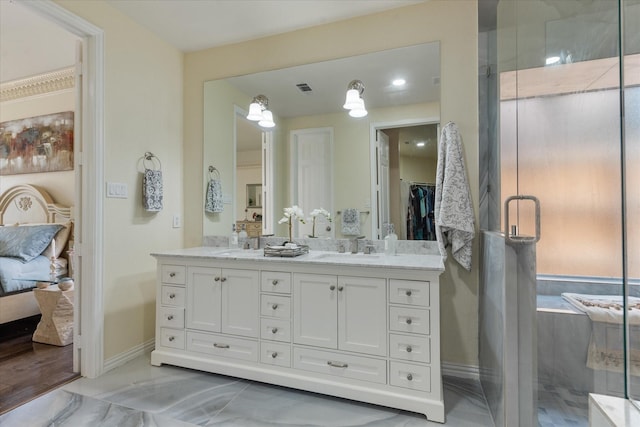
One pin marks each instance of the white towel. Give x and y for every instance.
(453, 209)
(605, 308)
(152, 190)
(351, 222)
(213, 203)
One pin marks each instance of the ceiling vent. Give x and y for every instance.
(304, 87)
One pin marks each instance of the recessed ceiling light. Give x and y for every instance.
(399, 82)
(420, 144)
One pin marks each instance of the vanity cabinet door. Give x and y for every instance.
(204, 292)
(362, 315)
(315, 320)
(240, 302)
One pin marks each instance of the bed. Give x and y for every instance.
(30, 220)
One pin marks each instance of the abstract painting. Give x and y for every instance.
(37, 144)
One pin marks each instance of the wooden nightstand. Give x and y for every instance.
(253, 228)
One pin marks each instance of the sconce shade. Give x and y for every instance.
(352, 100)
(267, 119)
(255, 112)
(359, 110)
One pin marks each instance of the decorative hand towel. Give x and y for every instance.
(152, 190)
(351, 222)
(213, 202)
(453, 210)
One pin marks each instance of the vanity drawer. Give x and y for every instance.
(171, 317)
(413, 348)
(172, 295)
(406, 375)
(220, 345)
(411, 292)
(275, 306)
(341, 365)
(275, 329)
(272, 353)
(175, 274)
(172, 338)
(405, 319)
(275, 281)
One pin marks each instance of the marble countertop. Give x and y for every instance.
(315, 257)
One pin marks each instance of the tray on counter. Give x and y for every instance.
(281, 251)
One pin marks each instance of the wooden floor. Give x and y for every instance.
(29, 369)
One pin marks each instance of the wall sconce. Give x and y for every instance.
(354, 102)
(259, 112)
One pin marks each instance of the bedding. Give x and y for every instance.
(12, 269)
(26, 243)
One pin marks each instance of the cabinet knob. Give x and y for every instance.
(274, 330)
(172, 274)
(332, 287)
(216, 345)
(274, 354)
(172, 296)
(274, 306)
(409, 377)
(223, 279)
(172, 338)
(340, 288)
(408, 321)
(274, 282)
(408, 293)
(409, 349)
(170, 317)
(217, 279)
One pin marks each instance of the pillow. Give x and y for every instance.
(26, 243)
(61, 238)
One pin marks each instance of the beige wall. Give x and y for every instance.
(61, 185)
(143, 112)
(453, 23)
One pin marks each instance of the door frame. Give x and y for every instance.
(88, 200)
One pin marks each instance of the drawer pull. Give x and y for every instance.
(172, 338)
(274, 330)
(170, 317)
(274, 354)
(408, 321)
(340, 288)
(337, 364)
(274, 306)
(409, 377)
(332, 287)
(216, 345)
(409, 349)
(172, 296)
(172, 274)
(217, 279)
(223, 279)
(408, 293)
(274, 282)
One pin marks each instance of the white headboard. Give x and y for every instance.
(31, 204)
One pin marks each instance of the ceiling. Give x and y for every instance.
(30, 45)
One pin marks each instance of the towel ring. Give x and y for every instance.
(150, 157)
(213, 173)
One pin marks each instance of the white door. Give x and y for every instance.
(384, 210)
(362, 315)
(203, 298)
(312, 182)
(240, 302)
(315, 320)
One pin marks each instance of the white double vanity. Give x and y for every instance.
(362, 327)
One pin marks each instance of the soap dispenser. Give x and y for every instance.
(233, 239)
(390, 241)
(242, 236)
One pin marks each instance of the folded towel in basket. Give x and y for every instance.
(152, 190)
(351, 222)
(213, 203)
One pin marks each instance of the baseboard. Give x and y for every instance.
(129, 355)
(461, 371)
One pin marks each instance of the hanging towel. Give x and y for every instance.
(213, 203)
(351, 222)
(453, 210)
(152, 190)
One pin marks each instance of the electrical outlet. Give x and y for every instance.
(177, 221)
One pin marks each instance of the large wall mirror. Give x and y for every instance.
(317, 155)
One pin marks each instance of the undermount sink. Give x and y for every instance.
(241, 253)
(348, 255)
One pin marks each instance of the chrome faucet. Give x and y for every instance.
(353, 244)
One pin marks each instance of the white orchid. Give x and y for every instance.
(314, 215)
(290, 214)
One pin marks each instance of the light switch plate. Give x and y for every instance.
(117, 190)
